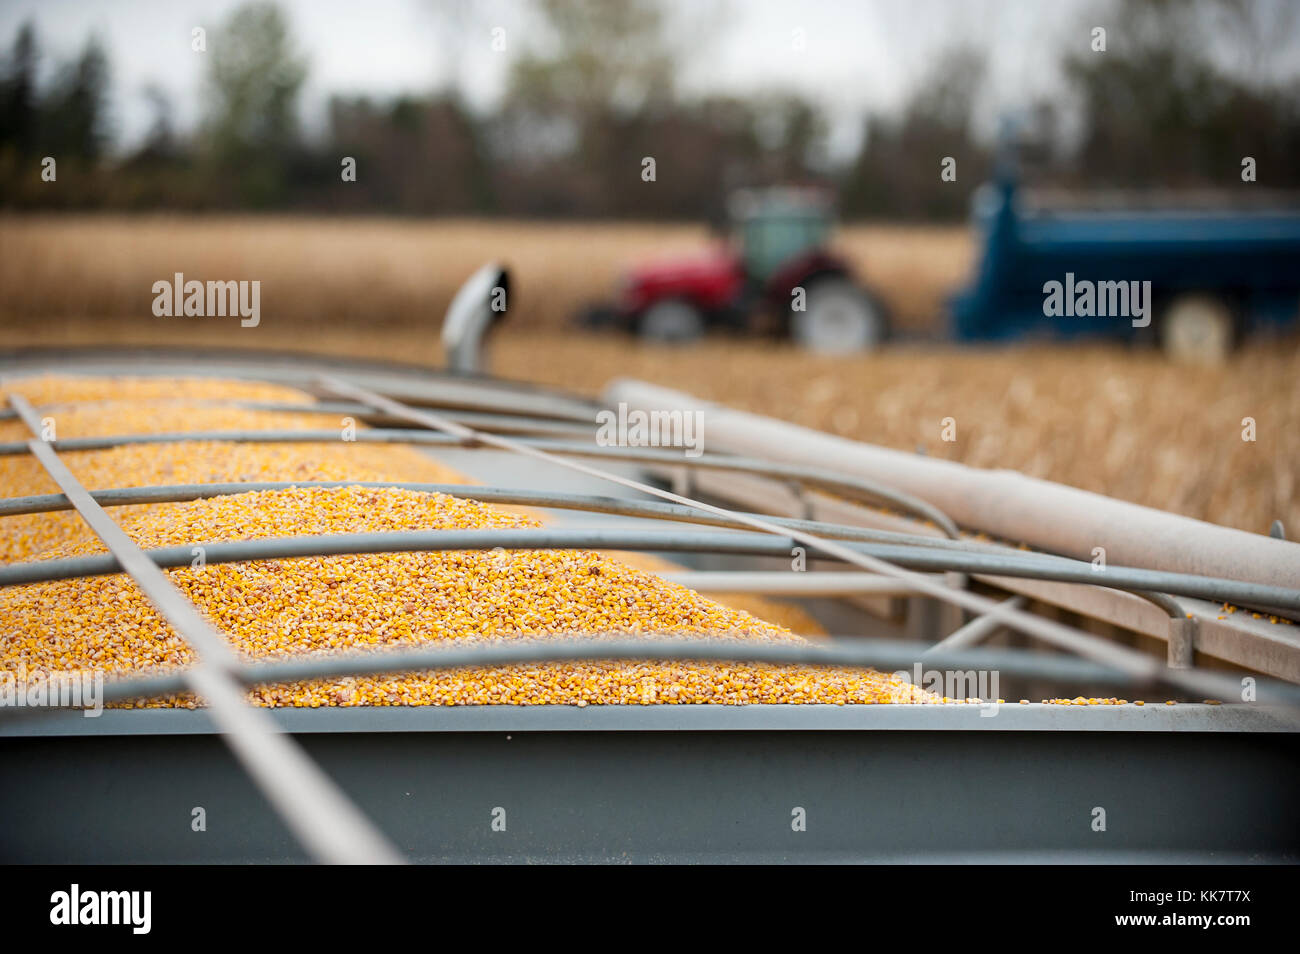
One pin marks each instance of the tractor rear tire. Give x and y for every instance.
(840, 318)
(671, 322)
(1198, 329)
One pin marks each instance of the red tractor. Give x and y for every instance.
(775, 272)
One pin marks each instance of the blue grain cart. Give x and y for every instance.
(1195, 282)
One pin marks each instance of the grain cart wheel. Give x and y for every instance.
(840, 318)
(1198, 329)
(672, 321)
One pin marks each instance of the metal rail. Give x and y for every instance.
(740, 542)
(813, 476)
(496, 422)
(325, 821)
(785, 583)
(416, 384)
(620, 506)
(612, 505)
(488, 420)
(881, 654)
(43, 503)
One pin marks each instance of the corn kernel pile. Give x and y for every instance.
(273, 609)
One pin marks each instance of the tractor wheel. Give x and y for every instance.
(839, 318)
(1198, 329)
(672, 321)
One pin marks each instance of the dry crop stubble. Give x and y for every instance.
(341, 272)
(1106, 419)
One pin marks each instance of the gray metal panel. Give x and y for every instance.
(678, 796)
(1011, 717)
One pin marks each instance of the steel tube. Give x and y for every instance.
(1009, 505)
(854, 486)
(884, 655)
(729, 541)
(785, 583)
(621, 506)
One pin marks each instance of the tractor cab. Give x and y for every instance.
(774, 227)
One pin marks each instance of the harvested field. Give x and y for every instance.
(1111, 420)
(1114, 420)
(321, 274)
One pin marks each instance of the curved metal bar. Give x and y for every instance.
(1163, 601)
(730, 541)
(885, 655)
(416, 384)
(374, 435)
(482, 420)
(647, 509)
(856, 487)
(620, 506)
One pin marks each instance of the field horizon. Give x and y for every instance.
(322, 271)
(1106, 418)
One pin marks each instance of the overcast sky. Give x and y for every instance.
(860, 55)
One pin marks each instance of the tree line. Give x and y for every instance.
(1156, 105)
